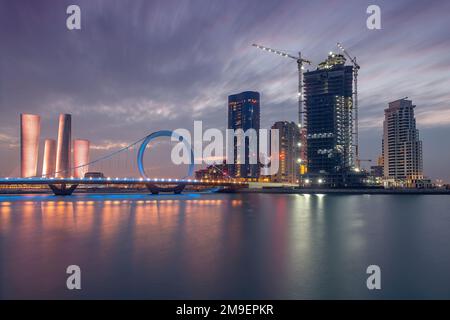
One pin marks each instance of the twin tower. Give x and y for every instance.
(57, 154)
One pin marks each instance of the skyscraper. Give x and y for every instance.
(289, 152)
(49, 162)
(30, 130)
(402, 149)
(63, 147)
(80, 157)
(329, 120)
(243, 113)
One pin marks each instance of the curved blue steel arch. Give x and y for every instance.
(157, 134)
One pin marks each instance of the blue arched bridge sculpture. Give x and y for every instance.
(155, 189)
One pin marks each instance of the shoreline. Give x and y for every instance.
(341, 191)
(347, 191)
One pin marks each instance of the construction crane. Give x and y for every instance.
(300, 62)
(356, 67)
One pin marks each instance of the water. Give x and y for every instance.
(230, 246)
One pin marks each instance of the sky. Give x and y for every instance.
(140, 66)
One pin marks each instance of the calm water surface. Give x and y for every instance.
(231, 246)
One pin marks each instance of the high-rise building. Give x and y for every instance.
(402, 148)
(63, 147)
(80, 157)
(243, 113)
(289, 152)
(30, 130)
(49, 162)
(329, 119)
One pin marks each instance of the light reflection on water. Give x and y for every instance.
(224, 246)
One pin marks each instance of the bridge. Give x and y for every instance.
(66, 186)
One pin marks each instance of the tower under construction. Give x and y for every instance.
(329, 122)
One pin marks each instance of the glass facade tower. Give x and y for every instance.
(329, 117)
(243, 113)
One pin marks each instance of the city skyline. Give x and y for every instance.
(131, 72)
(225, 156)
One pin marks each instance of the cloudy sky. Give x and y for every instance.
(139, 66)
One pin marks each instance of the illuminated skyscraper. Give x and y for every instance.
(289, 152)
(49, 162)
(328, 92)
(63, 147)
(329, 122)
(30, 129)
(80, 157)
(243, 113)
(402, 149)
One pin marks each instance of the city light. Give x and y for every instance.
(320, 181)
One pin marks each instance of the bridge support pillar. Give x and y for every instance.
(62, 189)
(154, 189)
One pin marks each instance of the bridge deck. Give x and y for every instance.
(117, 181)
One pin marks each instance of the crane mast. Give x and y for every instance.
(356, 67)
(300, 89)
